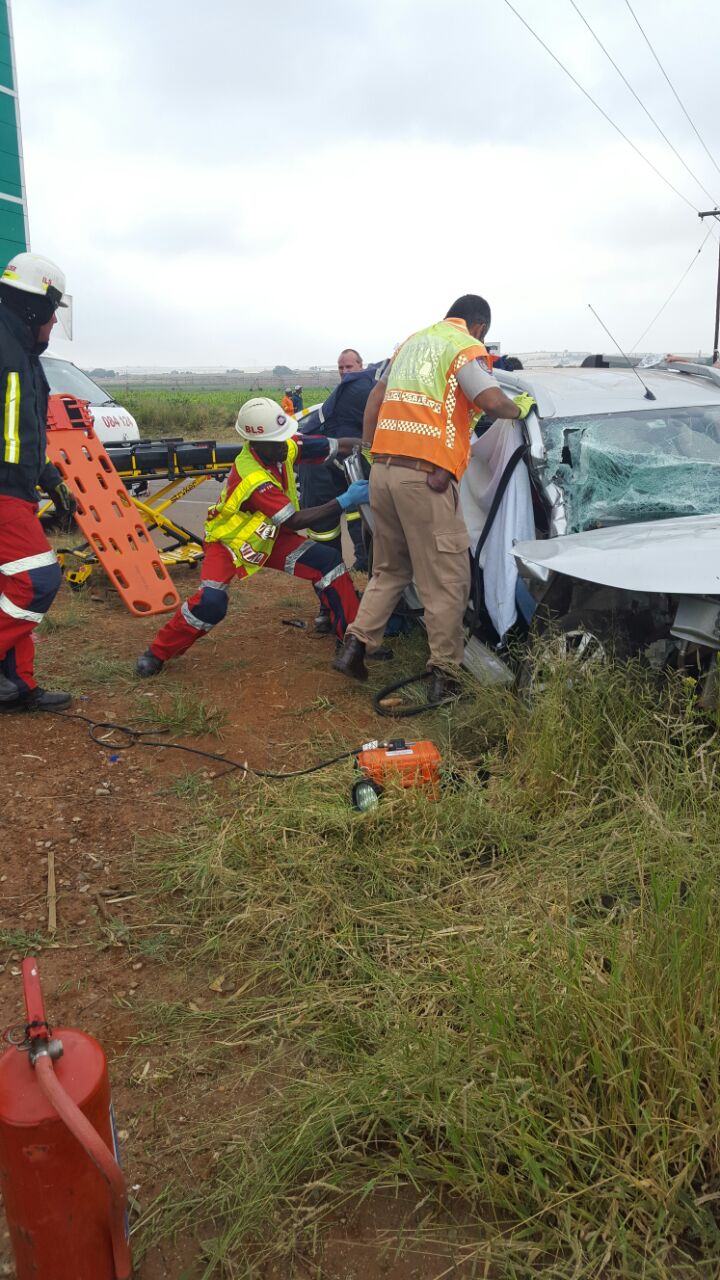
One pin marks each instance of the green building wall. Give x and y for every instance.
(14, 235)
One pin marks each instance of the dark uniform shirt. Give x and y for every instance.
(342, 412)
(24, 394)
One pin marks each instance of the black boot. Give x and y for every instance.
(40, 700)
(323, 624)
(443, 686)
(148, 665)
(351, 659)
(383, 654)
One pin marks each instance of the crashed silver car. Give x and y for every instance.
(608, 522)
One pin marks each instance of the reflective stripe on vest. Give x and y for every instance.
(250, 535)
(329, 536)
(11, 434)
(425, 413)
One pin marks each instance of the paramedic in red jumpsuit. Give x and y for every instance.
(270, 447)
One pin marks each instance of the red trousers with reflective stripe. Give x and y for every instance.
(27, 588)
(321, 565)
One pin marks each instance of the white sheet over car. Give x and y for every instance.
(674, 557)
(514, 519)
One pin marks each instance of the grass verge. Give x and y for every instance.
(507, 999)
(198, 415)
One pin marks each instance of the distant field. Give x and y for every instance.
(196, 415)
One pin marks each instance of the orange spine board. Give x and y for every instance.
(110, 522)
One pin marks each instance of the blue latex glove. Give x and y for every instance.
(356, 495)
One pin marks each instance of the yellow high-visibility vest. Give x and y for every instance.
(250, 535)
(425, 413)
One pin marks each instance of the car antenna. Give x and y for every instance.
(648, 393)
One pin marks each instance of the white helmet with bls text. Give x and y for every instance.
(31, 273)
(262, 419)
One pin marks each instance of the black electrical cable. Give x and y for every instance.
(143, 738)
(671, 295)
(672, 87)
(603, 113)
(640, 103)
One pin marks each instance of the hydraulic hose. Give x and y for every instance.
(102, 1158)
(405, 713)
(40, 1053)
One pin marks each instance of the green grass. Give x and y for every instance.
(179, 712)
(293, 601)
(97, 669)
(148, 945)
(25, 940)
(198, 415)
(192, 786)
(72, 610)
(507, 999)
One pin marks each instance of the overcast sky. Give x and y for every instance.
(241, 184)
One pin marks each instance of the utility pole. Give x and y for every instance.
(715, 213)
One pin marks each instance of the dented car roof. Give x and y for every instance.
(566, 393)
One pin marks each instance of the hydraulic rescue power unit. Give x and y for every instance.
(410, 764)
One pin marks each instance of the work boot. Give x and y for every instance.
(322, 623)
(351, 659)
(38, 700)
(443, 686)
(148, 665)
(383, 654)
(8, 690)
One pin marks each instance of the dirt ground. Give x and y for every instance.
(63, 797)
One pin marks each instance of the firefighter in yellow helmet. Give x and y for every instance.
(31, 290)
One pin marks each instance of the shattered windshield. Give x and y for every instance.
(623, 468)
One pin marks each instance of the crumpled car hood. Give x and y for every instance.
(674, 557)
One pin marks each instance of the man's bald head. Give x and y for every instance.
(349, 361)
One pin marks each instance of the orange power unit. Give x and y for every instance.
(411, 764)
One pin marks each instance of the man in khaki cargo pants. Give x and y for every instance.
(418, 423)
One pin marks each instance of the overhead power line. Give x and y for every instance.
(603, 113)
(671, 295)
(672, 87)
(640, 102)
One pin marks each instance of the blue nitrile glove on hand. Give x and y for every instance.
(357, 494)
(525, 403)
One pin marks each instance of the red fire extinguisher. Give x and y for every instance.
(64, 1192)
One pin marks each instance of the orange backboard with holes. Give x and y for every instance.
(106, 514)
